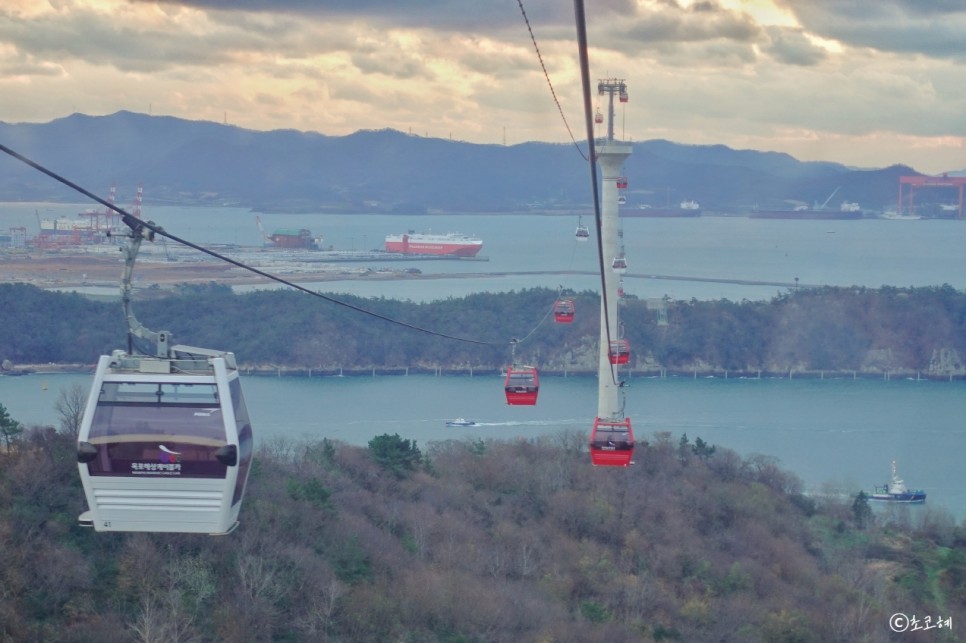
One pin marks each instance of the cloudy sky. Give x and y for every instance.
(868, 83)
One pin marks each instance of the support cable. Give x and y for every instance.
(560, 290)
(547, 76)
(589, 123)
(134, 223)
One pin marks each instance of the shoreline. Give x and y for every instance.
(648, 373)
(61, 271)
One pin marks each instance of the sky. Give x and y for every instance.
(867, 83)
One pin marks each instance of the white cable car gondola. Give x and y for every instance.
(583, 232)
(165, 444)
(619, 265)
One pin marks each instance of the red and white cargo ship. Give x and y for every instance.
(452, 243)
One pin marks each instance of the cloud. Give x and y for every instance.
(792, 72)
(22, 66)
(793, 47)
(437, 14)
(101, 39)
(668, 23)
(932, 28)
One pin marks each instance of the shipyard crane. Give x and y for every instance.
(261, 229)
(945, 181)
(101, 232)
(138, 198)
(834, 192)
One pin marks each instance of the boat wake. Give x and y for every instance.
(562, 423)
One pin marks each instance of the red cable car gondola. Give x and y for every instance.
(522, 385)
(612, 443)
(563, 311)
(598, 117)
(620, 352)
(622, 183)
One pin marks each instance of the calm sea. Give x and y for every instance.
(673, 257)
(834, 434)
(838, 436)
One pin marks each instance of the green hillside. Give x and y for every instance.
(917, 331)
(478, 541)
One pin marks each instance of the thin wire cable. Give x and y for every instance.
(547, 76)
(573, 255)
(589, 123)
(133, 222)
(560, 290)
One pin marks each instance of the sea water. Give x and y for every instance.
(834, 434)
(704, 257)
(838, 436)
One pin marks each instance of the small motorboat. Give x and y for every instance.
(460, 422)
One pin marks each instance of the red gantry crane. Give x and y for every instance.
(914, 182)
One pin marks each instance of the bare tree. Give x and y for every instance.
(162, 619)
(70, 408)
(320, 613)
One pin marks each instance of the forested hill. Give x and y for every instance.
(479, 541)
(888, 330)
(482, 540)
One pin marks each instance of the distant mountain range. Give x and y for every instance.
(198, 162)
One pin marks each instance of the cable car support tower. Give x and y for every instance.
(612, 441)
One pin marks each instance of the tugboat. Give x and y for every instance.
(896, 491)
